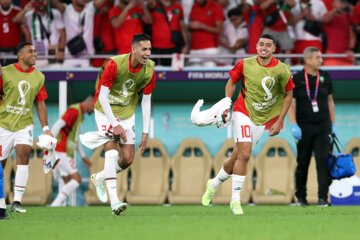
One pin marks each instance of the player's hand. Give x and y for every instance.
(144, 139)
(275, 129)
(87, 162)
(119, 131)
(47, 132)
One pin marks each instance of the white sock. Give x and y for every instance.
(111, 158)
(221, 177)
(237, 182)
(117, 167)
(100, 176)
(67, 189)
(21, 178)
(2, 202)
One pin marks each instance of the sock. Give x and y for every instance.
(2, 194)
(237, 182)
(221, 177)
(111, 158)
(21, 178)
(2, 203)
(118, 168)
(67, 189)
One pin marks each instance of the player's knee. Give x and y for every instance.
(128, 159)
(244, 155)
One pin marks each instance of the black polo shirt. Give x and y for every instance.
(304, 111)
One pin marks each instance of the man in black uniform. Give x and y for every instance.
(312, 118)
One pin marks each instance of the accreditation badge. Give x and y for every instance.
(315, 106)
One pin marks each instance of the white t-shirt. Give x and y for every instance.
(72, 20)
(318, 9)
(51, 26)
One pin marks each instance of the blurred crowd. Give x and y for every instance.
(65, 28)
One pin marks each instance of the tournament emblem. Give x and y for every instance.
(322, 79)
(23, 88)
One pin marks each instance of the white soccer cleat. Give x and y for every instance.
(118, 208)
(100, 189)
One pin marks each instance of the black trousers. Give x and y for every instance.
(315, 138)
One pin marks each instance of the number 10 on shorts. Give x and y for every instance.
(245, 131)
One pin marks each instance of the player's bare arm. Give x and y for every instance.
(42, 114)
(230, 88)
(275, 128)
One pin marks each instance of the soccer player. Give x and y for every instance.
(22, 85)
(264, 98)
(119, 83)
(67, 130)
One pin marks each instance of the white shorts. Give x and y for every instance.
(245, 130)
(103, 126)
(8, 140)
(66, 165)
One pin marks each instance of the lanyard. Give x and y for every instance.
(307, 84)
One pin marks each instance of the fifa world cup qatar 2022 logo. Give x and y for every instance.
(267, 84)
(24, 88)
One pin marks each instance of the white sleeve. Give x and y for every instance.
(146, 112)
(104, 102)
(57, 127)
(80, 150)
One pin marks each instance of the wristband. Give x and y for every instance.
(45, 128)
(61, 50)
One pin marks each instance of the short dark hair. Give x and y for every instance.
(235, 11)
(267, 36)
(309, 51)
(21, 46)
(140, 37)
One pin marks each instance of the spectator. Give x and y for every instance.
(79, 28)
(206, 23)
(356, 22)
(307, 18)
(47, 30)
(254, 17)
(127, 19)
(168, 29)
(234, 37)
(340, 34)
(104, 37)
(277, 16)
(10, 32)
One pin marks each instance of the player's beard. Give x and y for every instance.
(6, 7)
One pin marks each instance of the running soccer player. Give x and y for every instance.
(22, 85)
(119, 83)
(67, 130)
(264, 98)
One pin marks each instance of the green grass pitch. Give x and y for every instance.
(184, 222)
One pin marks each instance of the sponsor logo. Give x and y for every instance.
(237, 188)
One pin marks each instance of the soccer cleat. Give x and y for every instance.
(323, 203)
(3, 213)
(302, 203)
(118, 208)
(100, 189)
(209, 193)
(16, 207)
(236, 208)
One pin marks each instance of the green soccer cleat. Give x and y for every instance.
(209, 193)
(100, 189)
(235, 207)
(118, 208)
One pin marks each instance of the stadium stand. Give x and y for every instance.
(223, 193)
(191, 167)
(39, 185)
(98, 158)
(353, 147)
(150, 175)
(275, 168)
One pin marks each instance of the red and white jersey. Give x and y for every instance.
(10, 32)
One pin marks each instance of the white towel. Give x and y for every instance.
(50, 159)
(213, 115)
(94, 139)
